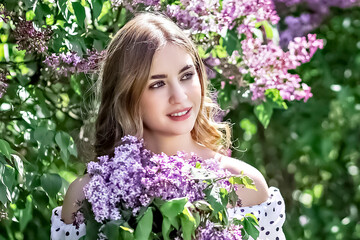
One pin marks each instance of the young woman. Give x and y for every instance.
(154, 86)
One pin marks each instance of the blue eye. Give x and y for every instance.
(187, 76)
(157, 85)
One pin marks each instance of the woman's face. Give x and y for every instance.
(171, 100)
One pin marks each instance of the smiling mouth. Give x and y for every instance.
(181, 115)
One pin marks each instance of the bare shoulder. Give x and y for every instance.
(248, 197)
(73, 195)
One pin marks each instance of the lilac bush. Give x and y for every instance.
(318, 10)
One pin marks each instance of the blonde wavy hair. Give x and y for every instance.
(124, 74)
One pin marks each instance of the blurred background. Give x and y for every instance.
(310, 151)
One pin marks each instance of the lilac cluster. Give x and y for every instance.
(31, 39)
(129, 5)
(252, 11)
(210, 231)
(210, 62)
(206, 15)
(135, 176)
(269, 66)
(65, 64)
(307, 21)
(198, 16)
(167, 177)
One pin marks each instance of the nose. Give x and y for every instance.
(178, 94)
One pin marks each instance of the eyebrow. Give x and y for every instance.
(161, 76)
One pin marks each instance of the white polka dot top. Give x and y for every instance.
(61, 231)
(270, 214)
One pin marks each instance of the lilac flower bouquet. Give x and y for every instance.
(137, 194)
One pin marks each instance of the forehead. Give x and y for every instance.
(170, 57)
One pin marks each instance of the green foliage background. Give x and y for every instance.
(310, 151)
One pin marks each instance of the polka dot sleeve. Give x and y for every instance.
(270, 214)
(62, 231)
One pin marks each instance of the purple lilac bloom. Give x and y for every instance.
(78, 219)
(307, 21)
(3, 84)
(269, 66)
(65, 64)
(129, 5)
(135, 176)
(31, 39)
(205, 16)
(212, 232)
(253, 11)
(211, 62)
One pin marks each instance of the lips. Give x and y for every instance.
(180, 115)
(180, 110)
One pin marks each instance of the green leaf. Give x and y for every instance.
(267, 27)
(3, 193)
(144, 226)
(250, 224)
(224, 197)
(166, 228)
(5, 148)
(7, 181)
(96, 6)
(231, 41)
(248, 126)
(79, 11)
(188, 224)
(41, 200)
(63, 139)
(44, 135)
(214, 198)
(198, 165)
(264, 112)
(126, 233)
(173, 207)
(203, 206)
(243, 180)
(75, 85)
(92, 226)
(51, 183)
(62, 4)
(233, 198)
(274, 98)
(112, 229)
(25, 215)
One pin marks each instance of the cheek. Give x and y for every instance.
(196, 90)
(148, 106)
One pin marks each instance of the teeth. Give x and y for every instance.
(179, 114)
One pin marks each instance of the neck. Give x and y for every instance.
(170, 145)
